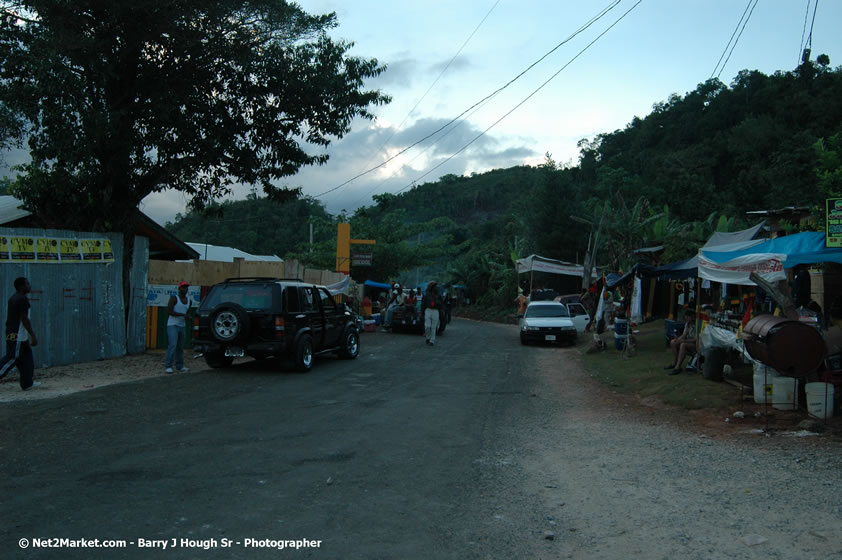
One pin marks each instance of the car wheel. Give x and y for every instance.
(304, 353)
(218, 360)
(229, 323)
(350, 344)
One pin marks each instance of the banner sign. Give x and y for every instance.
(833, 227)
(158, 295)
(769, 266)
(41, 250)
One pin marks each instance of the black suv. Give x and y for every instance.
(262, 317)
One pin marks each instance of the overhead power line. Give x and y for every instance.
(743, 21)
(429, 89)
(527, 98)
(584, 27)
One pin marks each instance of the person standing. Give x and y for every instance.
(178, 308)
(521, 300)
(430, 305)
(20, 337)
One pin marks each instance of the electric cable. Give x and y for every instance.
(527, 98)
(718, 62)
(738, 38)
(803, 31)
(593, 20)
(812, 23)
(429, 89)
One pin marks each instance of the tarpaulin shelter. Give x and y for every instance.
(535, 263)
(721, 241)
(769, 258)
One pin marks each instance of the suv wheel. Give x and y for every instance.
(218, 360)
(229, 322)
(350, 344)
(304, 353)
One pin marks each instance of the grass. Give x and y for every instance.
(644, 375)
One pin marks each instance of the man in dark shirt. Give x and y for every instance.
(20, 337)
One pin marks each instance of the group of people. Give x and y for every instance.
(426, 306)
(21, 338)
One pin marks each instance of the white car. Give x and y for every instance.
(547, 321)
(579, 316)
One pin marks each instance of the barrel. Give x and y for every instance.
(791, 347)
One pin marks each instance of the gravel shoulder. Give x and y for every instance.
(58, 381)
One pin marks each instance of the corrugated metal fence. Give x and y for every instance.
(78, 312)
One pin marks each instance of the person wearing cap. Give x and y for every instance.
(178, 308)
(395, 300)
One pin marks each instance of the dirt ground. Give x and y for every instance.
(64, 380)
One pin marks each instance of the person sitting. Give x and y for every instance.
(684, 344)
(395, 301)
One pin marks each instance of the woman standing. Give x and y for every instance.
(178, 308)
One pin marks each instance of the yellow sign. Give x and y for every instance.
(22, 249)
(70, 250)
(46, 249)
(107, 251)
(91, 249)
(55, 250)
(833, 228)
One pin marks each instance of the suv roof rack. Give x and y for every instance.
(263, 279)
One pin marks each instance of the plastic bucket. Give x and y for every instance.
(819, 400)
(714, 362)
(784, 393)
(621, 327)
(763, 376)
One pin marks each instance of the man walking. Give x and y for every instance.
(431, 305)
(20, 337)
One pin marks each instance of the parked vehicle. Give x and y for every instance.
(579, 315)
(547, 321)
(263, 317)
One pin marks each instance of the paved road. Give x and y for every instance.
(473, 449)
(391, 455)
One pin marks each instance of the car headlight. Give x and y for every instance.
(528, 328)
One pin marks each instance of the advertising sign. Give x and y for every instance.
(833, 228)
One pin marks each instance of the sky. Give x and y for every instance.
(445, 56)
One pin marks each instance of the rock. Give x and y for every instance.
(739, 414)
(812, 426)
(549, 535)
(754, 540)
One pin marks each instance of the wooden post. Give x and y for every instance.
(789, 310)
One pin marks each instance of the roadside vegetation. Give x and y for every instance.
(643, 374)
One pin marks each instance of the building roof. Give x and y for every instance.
(162, 244)
(208, 252)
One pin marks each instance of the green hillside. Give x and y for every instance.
(698, 162)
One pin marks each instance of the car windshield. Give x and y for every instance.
(252, 297)
(546, 311)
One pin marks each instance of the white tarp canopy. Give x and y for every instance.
(208, 252)
(534, 263)
(769, 266)
(768, 259)
(340, 287)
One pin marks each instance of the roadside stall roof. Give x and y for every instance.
(722, 241)
(552, 266)
(769, 259)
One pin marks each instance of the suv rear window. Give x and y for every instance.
(253, 297)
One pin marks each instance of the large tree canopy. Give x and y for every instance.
(118, 100)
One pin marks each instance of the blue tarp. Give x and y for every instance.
(800, 248)
(678, 270)
(373, 284)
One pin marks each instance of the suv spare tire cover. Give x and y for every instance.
(229, 323)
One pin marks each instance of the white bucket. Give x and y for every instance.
(784, 393)
(819, 400)
(763, 376)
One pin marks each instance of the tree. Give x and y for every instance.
(118, 100)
